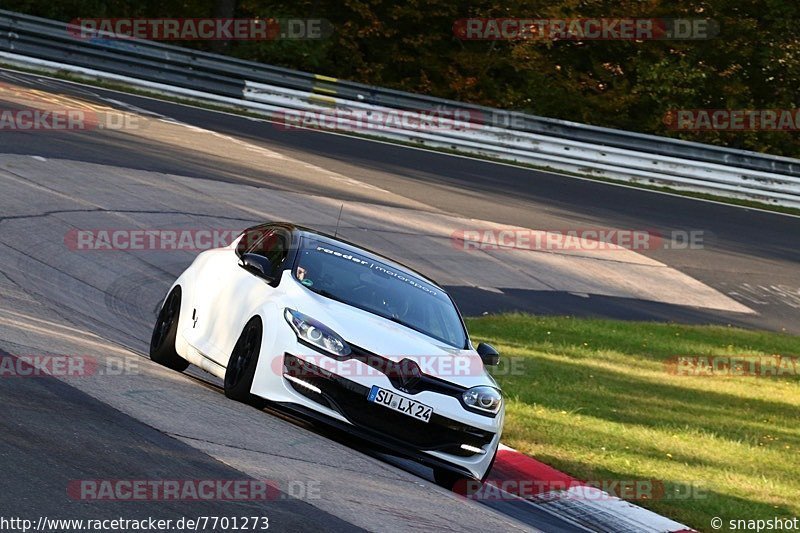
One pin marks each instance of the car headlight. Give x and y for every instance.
(312, 332)
(485, 399)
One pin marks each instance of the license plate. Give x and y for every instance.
(401, 404)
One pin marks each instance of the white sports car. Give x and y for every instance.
(331, 331)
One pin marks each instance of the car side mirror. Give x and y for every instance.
(258, 265)
(488, 354)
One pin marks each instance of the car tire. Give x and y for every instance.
(165, 331)
(242, 364)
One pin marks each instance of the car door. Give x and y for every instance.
(229, 295)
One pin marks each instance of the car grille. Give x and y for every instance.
(350, 399)
(406, 375)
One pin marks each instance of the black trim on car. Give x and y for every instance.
(292, 243)
(388, 445)
(350, 400)
(405, 375)
(421, 382)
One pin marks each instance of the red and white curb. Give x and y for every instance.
(520, 475)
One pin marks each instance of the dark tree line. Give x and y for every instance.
(753, 63)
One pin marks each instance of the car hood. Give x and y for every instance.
(395, 341)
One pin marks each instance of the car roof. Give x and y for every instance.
(305, 231)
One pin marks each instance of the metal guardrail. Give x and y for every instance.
(557, 144)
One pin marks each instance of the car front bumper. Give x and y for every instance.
(440, 440)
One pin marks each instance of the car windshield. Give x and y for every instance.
(378, 288)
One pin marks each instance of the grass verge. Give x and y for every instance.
(598, 399)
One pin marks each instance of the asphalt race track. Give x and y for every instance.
(748, 255)
(186, 168)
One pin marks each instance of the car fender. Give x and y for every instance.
(276, 334)
(186, 283)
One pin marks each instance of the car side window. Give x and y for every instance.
(250, 238)
(273, 245)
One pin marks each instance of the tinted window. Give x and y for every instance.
(380, 289)
(250, 238)
(270, 243)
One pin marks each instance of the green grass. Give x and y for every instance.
(594, 398)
